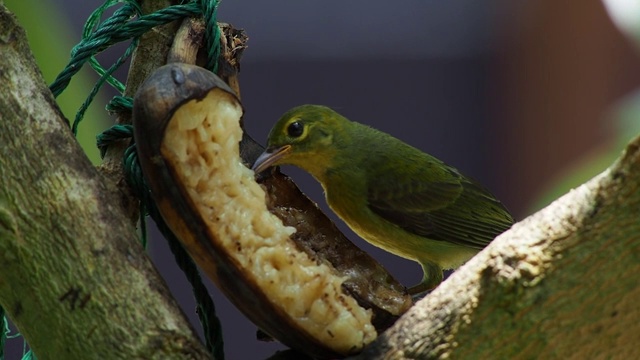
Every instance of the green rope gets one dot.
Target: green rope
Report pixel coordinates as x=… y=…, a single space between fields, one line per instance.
x=4 y=330
x=92 y=25
x=118 y=28
x=111 y=135
x=209 y=11
x=106 y=75
x=92 y=44
x=120 y=104
x=27 y=354
x=128 y=23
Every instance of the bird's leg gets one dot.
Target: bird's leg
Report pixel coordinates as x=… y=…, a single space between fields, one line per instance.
x=432 y=277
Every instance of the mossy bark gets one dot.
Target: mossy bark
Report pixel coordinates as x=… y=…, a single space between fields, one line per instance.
x=73 y=276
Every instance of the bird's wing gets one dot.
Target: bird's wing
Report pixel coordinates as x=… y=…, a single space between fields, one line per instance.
x=453 y=208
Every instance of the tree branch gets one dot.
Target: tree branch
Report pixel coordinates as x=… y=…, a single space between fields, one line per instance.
x=73 y=277
x=151 y=53
x=562 y=283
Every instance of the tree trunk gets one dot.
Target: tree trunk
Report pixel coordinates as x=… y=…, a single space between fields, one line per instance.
x=73 y=275
x=561 y=284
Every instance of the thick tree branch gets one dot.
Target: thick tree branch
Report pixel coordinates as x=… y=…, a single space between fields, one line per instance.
x=73 y=276
x=562 y=283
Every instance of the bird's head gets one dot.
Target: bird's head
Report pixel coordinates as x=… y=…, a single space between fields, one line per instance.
x=305 y=136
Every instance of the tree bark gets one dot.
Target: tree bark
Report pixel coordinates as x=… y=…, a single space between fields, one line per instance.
x=151 y=53
x=561 y=284
x=73 y=276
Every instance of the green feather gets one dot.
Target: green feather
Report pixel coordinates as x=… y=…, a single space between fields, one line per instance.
x=390 y=193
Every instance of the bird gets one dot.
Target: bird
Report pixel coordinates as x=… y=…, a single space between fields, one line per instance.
x=388 y=192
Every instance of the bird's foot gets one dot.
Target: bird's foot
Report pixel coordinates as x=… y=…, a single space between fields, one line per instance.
x=420 y=289
x=432 y=278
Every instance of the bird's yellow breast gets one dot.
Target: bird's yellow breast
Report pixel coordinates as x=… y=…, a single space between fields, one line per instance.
x=353 y=210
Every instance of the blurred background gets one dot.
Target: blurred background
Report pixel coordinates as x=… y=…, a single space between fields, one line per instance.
x=530 y=98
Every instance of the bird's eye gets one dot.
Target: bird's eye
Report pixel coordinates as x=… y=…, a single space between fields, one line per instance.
x=295 y=129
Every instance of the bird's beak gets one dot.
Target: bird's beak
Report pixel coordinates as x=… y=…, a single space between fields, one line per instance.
x=269 y=157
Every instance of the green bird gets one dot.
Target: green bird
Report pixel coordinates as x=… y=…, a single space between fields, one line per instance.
x=391 y=194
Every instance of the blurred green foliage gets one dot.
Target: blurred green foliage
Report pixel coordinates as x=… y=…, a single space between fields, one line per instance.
x=51 y=38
